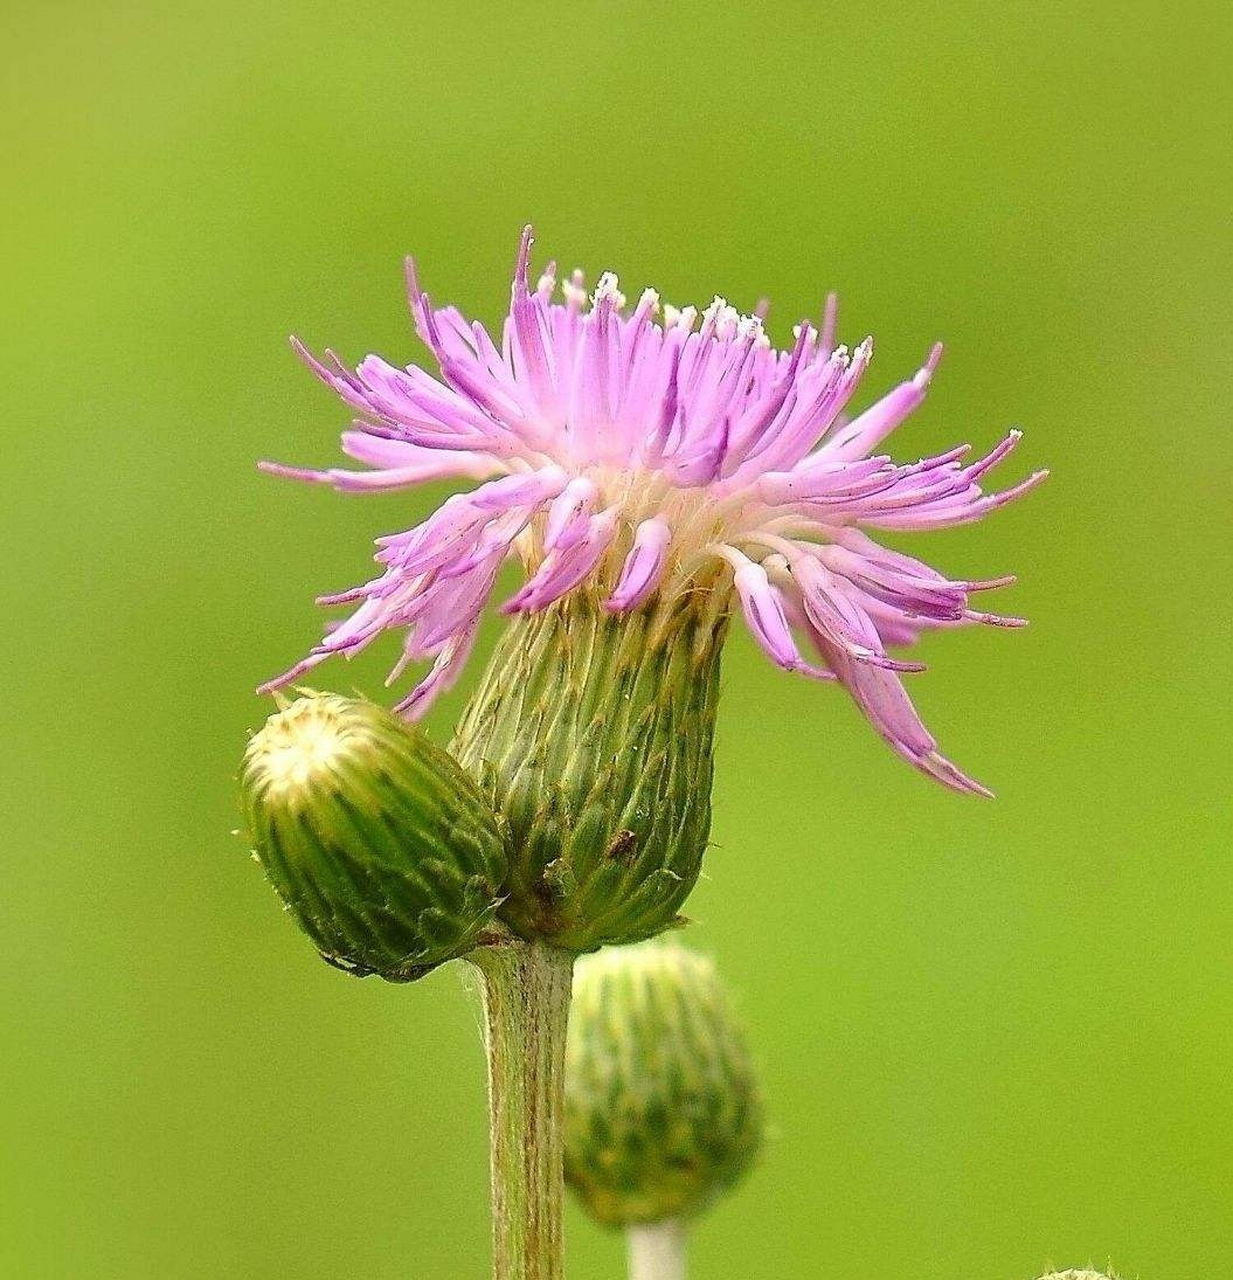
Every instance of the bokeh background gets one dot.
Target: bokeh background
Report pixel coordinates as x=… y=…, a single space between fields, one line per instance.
x=994 y=1035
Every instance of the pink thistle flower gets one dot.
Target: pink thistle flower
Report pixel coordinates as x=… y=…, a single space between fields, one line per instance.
x=641 y=452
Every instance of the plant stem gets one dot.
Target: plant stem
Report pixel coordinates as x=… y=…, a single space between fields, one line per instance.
x=526 y=1012
x=657 y=1250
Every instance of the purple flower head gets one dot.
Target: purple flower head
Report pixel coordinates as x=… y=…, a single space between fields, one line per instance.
x=639 y=452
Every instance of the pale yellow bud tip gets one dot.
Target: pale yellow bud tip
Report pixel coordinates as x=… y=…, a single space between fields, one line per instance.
x=299 y=744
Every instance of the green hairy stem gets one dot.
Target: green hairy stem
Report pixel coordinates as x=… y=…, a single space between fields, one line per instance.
x=526 y=991
x=592 y=737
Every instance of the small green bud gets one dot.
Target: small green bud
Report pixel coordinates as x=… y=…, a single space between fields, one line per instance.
x=377 y=842
x=662 y=1112
x=592 y=735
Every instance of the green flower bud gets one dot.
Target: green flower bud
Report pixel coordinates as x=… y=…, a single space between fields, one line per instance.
x=377 y=842
x=662 y=1112
x=592 y=735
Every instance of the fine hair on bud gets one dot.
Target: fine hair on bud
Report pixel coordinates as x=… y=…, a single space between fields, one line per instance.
x=662 y=1111
x=381 y=848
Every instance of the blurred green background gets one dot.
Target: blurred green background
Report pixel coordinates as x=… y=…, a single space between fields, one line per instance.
x=993 y=1035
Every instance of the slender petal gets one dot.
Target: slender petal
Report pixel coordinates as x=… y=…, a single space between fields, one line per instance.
x=643 y=566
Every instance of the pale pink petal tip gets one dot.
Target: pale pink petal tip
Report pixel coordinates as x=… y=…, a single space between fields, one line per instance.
x=830 y=320
x=411 y=272
x=292 y=473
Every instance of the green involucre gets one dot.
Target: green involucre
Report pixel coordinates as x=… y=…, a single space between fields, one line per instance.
x=592 y=736
x=662 y=1112
x=381 y=848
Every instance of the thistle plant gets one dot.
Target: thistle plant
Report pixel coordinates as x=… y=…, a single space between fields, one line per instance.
x=662 y=1111
x=656 y=472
